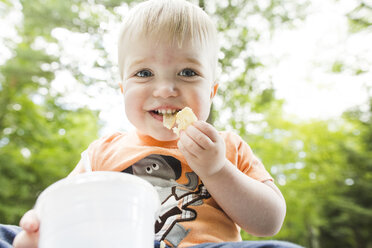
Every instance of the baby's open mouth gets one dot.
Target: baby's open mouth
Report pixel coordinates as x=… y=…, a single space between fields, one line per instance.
x=168 y=115
x=166 y=111
x=179 y=120
x=176 y=119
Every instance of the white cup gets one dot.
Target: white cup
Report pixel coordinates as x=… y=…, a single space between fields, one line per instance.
x=98 y=210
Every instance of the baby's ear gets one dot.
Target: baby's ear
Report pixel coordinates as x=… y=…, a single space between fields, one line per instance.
x=214 y=89
x=121 y=87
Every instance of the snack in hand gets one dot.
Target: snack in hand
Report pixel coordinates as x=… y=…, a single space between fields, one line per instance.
x=183 y=119
x=169 y=120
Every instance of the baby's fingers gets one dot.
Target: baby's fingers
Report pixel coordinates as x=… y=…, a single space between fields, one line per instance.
x=188 y=146
x=207 y=129
x=30 y=222
x=26 y=240
x=200 y=138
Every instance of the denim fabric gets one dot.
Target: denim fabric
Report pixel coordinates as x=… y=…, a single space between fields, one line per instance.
x=244 y=244
x=7 y=234
x=250 y=244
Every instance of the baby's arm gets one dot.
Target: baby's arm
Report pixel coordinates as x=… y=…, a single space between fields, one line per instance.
x=29 y=236
x=259 y=208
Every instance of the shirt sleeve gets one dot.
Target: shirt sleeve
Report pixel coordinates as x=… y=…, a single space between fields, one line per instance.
x=85 y=163
x=245 y=160
x=96 y=155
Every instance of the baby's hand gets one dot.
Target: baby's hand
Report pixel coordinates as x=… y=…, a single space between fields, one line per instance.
x=203 y=148
x=29 y=236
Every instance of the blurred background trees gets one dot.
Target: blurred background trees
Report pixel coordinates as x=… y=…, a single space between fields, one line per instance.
x=57 y=68
x=40 y=136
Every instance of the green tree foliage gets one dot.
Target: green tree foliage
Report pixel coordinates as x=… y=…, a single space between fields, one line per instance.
x=41 y=138
x=324 y=170
x=312 y=162
x=322 y=167
x=361 y=17
x=349 y=208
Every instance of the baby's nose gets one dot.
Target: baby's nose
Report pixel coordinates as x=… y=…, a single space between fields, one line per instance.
x=165 y=89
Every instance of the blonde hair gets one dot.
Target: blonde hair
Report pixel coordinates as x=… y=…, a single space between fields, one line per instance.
x=171 y=21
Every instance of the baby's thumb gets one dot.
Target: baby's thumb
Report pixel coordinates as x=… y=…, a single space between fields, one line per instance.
x=26 y=240
x=30 y=222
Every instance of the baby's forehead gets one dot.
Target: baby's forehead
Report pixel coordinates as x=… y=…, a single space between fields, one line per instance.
x=169 y=19
x=172 y=40
x=143 y=43
x=166 y=21
x=165 y=52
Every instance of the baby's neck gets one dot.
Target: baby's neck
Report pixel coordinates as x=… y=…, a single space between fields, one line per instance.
x=150 y=141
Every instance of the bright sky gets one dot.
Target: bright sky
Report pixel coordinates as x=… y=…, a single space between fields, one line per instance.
x=299 y=61
x=303 y=74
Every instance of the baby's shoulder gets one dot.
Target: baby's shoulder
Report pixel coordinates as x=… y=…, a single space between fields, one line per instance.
x=235 y=143
x=109 y=139
x=113 y=136
x=231 y=137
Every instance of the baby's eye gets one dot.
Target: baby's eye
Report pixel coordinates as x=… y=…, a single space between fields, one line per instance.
x=187 y=73
x=144 y=73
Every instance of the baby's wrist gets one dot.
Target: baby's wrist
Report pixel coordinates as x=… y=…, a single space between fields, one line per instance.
x=216 y=171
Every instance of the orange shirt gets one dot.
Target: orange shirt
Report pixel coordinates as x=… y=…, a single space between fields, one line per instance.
x=189 y=215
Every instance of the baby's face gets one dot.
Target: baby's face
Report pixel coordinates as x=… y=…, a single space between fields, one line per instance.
x=160 y=78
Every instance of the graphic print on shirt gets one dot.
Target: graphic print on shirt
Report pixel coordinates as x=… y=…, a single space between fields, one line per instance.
x=163 y=172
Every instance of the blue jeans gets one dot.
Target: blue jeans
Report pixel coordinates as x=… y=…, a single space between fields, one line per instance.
x=8 y=232
x=245 y=244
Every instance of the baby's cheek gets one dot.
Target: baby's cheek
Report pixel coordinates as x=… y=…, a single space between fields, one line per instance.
x=133 y=103
x=202 y=109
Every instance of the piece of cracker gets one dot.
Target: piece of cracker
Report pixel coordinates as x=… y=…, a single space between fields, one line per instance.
x=169 y=120
x=184 y=118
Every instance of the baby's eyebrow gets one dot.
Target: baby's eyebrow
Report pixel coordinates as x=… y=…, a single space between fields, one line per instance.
x=193 y=61
x=137 y=62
